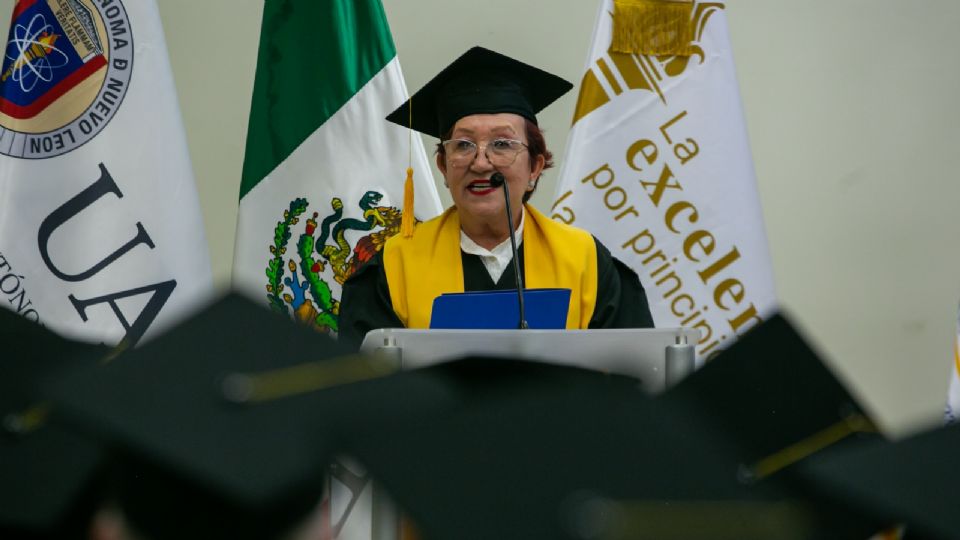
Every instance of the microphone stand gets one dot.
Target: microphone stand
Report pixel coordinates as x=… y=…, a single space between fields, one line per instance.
x=497 y=179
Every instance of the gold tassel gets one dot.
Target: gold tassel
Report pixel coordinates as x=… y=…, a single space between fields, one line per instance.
x=32 y=419
x=653 y=27
x=407 y=219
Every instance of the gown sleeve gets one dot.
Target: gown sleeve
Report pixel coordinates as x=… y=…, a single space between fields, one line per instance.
x=621 y=300
x=365 y=303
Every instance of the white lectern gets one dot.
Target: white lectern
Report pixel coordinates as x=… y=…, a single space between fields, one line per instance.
x=658 y=357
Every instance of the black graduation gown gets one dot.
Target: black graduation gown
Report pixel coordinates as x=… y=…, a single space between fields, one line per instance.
x=365 y=303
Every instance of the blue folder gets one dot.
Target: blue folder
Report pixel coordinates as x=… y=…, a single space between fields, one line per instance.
x=498 y=310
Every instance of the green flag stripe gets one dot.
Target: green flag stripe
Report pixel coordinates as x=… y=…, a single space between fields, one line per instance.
x=314 y=56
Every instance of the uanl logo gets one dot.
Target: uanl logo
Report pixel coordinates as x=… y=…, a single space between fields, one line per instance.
x=623 y=71
x=322 y=252
x=66 y=69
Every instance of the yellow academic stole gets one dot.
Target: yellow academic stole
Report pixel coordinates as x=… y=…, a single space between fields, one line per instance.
x=428 y=264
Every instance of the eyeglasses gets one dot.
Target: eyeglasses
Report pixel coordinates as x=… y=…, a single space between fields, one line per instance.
x=499 y=152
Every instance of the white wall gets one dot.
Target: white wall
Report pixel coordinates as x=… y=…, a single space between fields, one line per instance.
x=854 y=129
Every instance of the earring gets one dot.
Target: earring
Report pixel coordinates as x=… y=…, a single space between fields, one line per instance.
x=532 y=184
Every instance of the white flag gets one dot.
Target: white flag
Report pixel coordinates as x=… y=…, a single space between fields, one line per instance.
x=658 y=167
x=953 y=396
x=100 y=230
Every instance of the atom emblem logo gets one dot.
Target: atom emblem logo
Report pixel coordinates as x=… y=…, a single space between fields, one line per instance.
x=35 y=56
x=66 y=69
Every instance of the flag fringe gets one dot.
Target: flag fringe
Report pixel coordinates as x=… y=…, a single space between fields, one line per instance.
x=653 y=27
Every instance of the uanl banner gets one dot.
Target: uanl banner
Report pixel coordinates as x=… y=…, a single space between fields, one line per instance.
x=658 y=167
x=101 y=236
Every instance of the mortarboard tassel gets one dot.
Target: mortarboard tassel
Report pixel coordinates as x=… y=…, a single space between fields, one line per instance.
x=407 y=218
x=653 y=27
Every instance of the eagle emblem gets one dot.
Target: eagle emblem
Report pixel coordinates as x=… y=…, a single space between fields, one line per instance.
x=323 y=253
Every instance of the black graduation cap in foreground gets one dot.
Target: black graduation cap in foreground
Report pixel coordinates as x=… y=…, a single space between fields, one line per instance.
x=480 y=81
x=914 y=482
x=48 y=471
x=595 y=458
x=228 y=422
x=772 y=392
x=203 y=450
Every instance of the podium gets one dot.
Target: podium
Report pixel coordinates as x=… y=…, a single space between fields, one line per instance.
x=658 y=357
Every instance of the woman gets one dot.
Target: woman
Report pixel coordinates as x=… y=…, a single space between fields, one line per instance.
x=483 y=109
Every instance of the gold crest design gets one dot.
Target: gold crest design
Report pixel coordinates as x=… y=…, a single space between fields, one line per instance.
x=625 y=71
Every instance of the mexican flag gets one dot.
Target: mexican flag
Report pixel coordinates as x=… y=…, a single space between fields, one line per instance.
x=323 y=178
x=101 y=236
x=658 y=167
x=323 y=174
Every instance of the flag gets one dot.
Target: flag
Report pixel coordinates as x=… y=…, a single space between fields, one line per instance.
x=658 y=167
x=101 y=236
x=323 y=175
x=953 y=394
x=323 y=178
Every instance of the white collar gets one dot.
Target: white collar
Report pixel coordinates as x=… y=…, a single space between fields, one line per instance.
x=497 y=259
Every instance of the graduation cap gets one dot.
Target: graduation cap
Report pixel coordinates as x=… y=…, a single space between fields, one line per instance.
x=912 y=482
x=593 y=457
x=480 y=81
x=50 y=473
x=228 y=422
x=207 y=448
x=774 y=393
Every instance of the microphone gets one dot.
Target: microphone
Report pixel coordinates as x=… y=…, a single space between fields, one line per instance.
x=496 y=180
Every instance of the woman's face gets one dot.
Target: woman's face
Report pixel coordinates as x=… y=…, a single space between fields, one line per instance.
x=469 y=183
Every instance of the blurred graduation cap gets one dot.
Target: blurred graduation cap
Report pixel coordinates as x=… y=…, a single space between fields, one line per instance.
x=49 y=487
x=228 y=422
x=594 y=458
x=913 y=482
x=480 y=81
x=772 y=392
x=204 y=452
